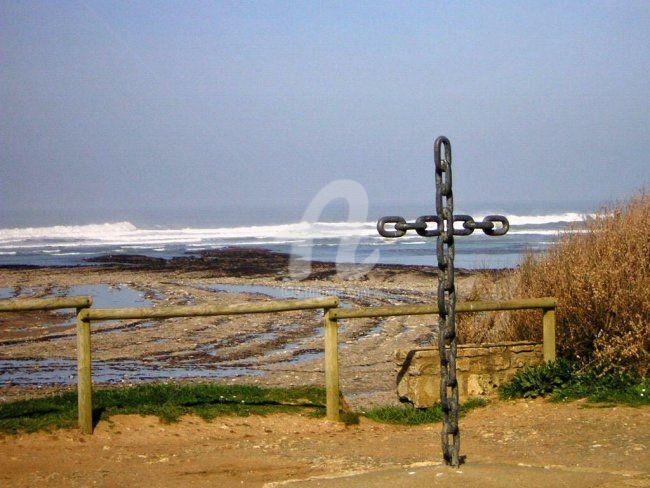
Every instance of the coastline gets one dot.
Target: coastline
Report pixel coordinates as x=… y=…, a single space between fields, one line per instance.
x=268 y=350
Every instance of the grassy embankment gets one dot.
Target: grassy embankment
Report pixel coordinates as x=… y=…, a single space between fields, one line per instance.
x=168 y=401
x=171 y=401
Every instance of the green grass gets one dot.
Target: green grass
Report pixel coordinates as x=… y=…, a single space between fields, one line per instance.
x=168 y=401
x=560 y=381
x=538 y=381
x=613 y=389
x=563 y=381
x=409 y=415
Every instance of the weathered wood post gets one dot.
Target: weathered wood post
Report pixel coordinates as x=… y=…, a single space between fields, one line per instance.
x=548 y=321
x=84 y=381
x=331 y=365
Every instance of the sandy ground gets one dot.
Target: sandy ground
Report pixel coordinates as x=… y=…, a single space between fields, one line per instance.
x=522 y=443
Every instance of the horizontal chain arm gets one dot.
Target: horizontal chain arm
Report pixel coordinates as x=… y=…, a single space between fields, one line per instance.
x=421 y=226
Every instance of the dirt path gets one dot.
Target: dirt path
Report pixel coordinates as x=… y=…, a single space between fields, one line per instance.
x=524 y=442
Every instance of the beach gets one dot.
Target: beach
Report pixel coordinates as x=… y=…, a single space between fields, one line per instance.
x=38 y=349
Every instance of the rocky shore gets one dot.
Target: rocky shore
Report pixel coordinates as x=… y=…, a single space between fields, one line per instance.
x=38 y=349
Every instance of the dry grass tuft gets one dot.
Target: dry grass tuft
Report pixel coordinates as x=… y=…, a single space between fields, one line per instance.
x=601 y=278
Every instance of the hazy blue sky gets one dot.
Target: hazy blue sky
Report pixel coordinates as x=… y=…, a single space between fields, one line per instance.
x=183 y=104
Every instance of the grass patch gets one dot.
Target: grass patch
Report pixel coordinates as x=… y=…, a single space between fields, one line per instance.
x=168 y=401
x=532 y=382
x=562 y=381
x=409 y=415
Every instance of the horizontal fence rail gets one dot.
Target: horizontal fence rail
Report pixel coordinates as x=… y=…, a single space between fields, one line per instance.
x=30 y=304
x=331 y=315
x=207 y=310
x=461 y=307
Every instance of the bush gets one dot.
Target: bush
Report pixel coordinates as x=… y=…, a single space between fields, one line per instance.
x=600 y=275
x=562 y=380
x=601 y=278
x=532 y=382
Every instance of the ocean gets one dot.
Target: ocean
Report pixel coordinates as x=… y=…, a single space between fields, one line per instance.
x=49 y=238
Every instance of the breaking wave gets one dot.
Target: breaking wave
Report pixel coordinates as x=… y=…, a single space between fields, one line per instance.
x=127 y=234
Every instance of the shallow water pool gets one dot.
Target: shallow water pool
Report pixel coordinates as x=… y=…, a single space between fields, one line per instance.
x=32 y=372
x=279 y=292
x=106 y=296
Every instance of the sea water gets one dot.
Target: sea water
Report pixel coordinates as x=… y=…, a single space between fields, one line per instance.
x=72 y=238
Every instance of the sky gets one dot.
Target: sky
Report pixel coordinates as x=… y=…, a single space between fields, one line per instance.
x=232 y=104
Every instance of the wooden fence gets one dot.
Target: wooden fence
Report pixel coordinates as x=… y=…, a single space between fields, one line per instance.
x=332 y=314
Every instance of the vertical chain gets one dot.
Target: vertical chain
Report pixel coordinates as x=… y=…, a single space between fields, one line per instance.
x=446 y=302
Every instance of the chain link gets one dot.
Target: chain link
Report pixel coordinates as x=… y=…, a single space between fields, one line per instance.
x=444 y=231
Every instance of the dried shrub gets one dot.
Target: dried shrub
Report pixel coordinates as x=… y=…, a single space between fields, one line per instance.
x=600 y=275
x=489 y=327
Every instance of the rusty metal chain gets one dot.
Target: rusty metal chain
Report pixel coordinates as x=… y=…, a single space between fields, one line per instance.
x=446 y=303
x=444 y=231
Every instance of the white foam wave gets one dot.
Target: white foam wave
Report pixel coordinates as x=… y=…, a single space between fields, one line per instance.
x=66 y=231
x=546 y=219
x=127 y=235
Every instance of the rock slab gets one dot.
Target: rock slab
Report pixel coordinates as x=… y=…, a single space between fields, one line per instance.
x=481 y=368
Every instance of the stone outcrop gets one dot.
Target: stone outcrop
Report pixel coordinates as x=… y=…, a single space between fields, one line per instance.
x=481 y=369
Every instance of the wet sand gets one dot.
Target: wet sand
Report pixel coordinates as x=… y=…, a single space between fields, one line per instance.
x=38 y=349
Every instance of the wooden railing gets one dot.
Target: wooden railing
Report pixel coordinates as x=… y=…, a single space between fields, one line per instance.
x=30 y=304
x=332 y=314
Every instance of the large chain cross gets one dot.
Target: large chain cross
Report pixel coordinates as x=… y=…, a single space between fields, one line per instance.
x=444 y=231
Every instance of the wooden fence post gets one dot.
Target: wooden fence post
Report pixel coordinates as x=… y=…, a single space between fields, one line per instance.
x=331 y=366
x=84 y=381
x=549 y=334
